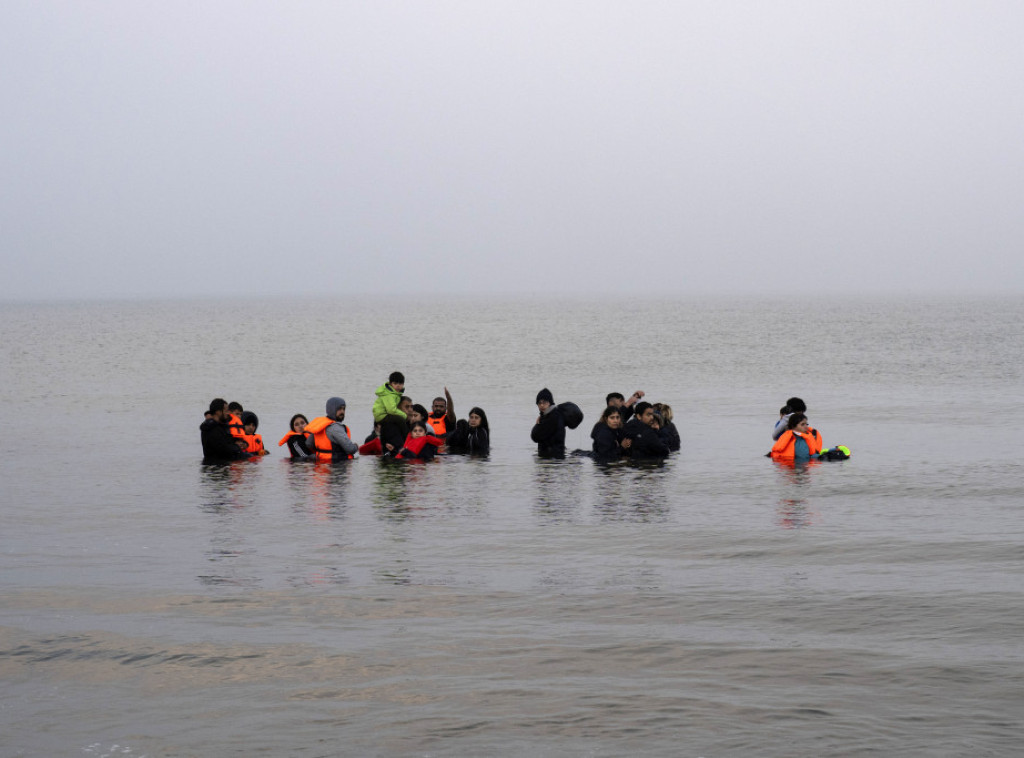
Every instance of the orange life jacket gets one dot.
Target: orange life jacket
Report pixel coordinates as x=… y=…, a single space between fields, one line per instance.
x=440 y=425
x=285 y=439
x=322 y=445
x=255 y=444
x=235 y=426
x=784 y=448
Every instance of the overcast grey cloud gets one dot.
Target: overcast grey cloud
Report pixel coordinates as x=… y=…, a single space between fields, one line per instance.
x=159 y=149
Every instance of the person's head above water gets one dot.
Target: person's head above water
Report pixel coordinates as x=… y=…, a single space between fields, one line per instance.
x=477 y=418
x=418 y=429
x=612 y=417
x=250 y=421
x=397 y=381
x=298 y=422
x=336 y=409
x=219 y=409
x=645 y=412
x=545 y=399
x=796 y=405
x=795 y=420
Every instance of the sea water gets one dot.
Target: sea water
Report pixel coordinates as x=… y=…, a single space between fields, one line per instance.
x=717 y=604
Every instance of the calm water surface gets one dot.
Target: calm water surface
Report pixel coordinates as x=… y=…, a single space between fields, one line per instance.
x=715 y=605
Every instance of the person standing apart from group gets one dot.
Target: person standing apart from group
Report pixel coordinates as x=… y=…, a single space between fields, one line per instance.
x=798 y=443
x=549 y=430
x=793 y=405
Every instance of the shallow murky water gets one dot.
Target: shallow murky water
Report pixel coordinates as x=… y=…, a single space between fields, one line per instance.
x=715 y=605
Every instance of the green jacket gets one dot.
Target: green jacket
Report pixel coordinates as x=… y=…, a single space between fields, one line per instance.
x=386 y=403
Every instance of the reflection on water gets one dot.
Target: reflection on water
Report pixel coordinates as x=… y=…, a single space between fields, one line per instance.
x=795 y=514
x=320 y=490
x=390 y=495
x=794 y=511
x=558 y=494
x=632 y=492
x=226 y=496
x=220 y=486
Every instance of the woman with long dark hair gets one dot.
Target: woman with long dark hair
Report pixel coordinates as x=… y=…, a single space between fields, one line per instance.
x=296 y=439
x=472 y=436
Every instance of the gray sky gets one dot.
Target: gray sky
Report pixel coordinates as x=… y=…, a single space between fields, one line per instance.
x=191 y=148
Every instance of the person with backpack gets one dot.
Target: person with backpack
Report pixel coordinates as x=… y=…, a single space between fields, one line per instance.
x=549 y=430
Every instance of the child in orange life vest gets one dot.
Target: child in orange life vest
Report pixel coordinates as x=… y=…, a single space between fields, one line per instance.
x=254 y=442
x=235 y=425
x=419 y=445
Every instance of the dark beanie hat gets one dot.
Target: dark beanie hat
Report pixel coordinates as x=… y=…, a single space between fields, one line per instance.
x=248 y=417
x=545 y=394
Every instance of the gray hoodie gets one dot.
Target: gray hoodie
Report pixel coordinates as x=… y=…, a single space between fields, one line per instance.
x=336 y=431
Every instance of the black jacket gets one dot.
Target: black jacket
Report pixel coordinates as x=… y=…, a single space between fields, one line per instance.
x=465 y=439
x=647 y=442
x=606 y=442
x=298 y=448
x=218 y=444
x=670 y=435
x=549 y=434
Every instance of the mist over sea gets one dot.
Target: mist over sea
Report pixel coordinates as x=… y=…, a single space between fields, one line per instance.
x=716 y=605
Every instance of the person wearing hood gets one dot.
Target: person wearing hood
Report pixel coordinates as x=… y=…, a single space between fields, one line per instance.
x=332 y=440
x=253 y=441
x=549 y=430
x=219 y=445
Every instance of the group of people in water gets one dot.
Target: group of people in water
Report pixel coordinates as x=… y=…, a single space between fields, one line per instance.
x=628 y=428
x=402 y=430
